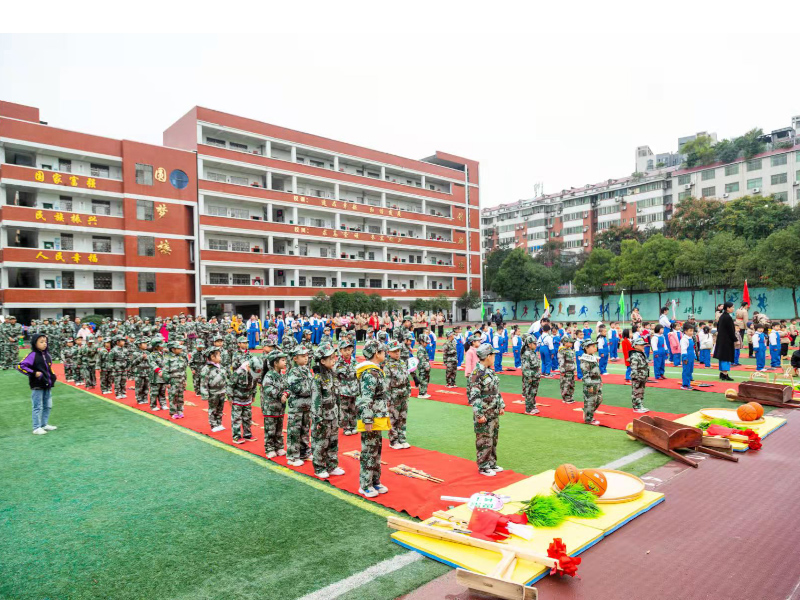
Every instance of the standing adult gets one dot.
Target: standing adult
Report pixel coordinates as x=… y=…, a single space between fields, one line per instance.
x=742 y=317
x=636 y=318
x=718 y=313
x=440 y=324
x=664 y=320
x=497 y=317
x=253 y=332
x=726 y=341
x=76 y=325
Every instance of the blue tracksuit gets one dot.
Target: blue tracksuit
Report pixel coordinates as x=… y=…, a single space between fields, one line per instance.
x=587 y=333
x=660 y=357
x=517 y=349
x=281 y=329
x=774 y=349
x=431 y=346
x=545 y=353
x=760 y=350
x=459 y=349
x=613 y=344
x=687 y=359
x=578 y=354
x=602 y=353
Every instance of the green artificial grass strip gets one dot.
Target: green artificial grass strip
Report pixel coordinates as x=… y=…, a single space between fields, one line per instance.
x=400 y=582
x=578 y=502
x=544 y=511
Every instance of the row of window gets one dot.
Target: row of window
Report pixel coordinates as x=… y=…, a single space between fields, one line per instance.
x=105 y=281
x=643 y=219
x=751 y=165
x=65 y=166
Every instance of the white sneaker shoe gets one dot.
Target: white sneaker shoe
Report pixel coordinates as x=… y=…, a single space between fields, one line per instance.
x=218 y=428
x=486 y=472
x=396 y=446
x=49 y=427
x=497 y=469
x=381 y=489
x=39 y=431
x=296 y=463
x=338 y=471
x=281 y=452
x=323 y=475
x=406 y=445
x=271 y=454
x=424 y=396
x=368 y=493
x=641 y=410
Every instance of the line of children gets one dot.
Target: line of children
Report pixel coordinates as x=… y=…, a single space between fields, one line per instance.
x=531 y=374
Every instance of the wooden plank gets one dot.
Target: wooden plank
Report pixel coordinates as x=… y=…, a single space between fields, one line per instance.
x=496 y=587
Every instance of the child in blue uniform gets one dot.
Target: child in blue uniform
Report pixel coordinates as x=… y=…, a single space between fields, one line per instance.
x=659 y=346
x=459 y=345
x=516 y=347
x=760 y=348
x=546 y=350
x=613 y=342
x=775 y=346
x=687 y=356
x=587 y=331
x=602 y=349
x=578 y=347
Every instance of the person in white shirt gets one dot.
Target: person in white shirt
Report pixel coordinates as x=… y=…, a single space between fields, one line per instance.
x=537 y=325
x=664 y=319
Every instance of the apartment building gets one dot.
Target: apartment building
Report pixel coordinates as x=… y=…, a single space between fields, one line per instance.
x=284 y=214
x=92 y=225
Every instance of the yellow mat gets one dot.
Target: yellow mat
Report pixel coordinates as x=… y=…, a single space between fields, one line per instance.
x=770 y=425
x=577 y=534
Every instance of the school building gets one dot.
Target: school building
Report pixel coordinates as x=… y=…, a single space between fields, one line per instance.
x=231 y=214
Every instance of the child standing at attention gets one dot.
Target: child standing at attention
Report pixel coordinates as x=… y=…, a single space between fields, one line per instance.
x=273 y=402
x=471 y=358
x=38 y=366
x=516 y=346
x=577 y=347
x=592 y=382
x=213 y=386
x=775 y=346
x=546 y=349
x=640 y=371
x=371 y=405
x=602 y=349
x=325 y=415
x=347 y=388
x=674 y=340
x=613 y=342
x=487 y=407
x=687 y=355
x=531 y=374
x=760 y=347
x=423 y=368
x=627 y=346
x=450 y=359
x=298 y=428
x=566 y=363
x=706 y=343
x=659 y=346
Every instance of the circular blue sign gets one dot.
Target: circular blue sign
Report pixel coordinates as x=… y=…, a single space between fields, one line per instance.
x=178 y=179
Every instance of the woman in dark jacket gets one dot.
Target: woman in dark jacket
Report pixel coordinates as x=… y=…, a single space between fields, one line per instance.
x=38 y=366
x=726 y=342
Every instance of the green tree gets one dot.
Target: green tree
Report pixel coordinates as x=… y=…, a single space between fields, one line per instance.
x=611 y=238
x=727 y=151
x=420 y=305
x=691 y=263
x=628 y=269
x=699 y=152
x=778 y=259
x=754 y=217
x=391 y=305
x=340 y=303
x=596 y=272
x=659 y=254
x=376 y=303
x=550 y=253
x=695 y=219
x=439 y=303
x=359 y=302
x=469 y=300
x=492 y=264
x=521 y=278
x=751 y=143
x=320 y=304
x=723 y=253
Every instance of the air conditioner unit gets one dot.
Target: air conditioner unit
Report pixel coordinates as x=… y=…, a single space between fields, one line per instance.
x=725 y=195
x=638 y=210
x=585 y=244
x=688 y=186
x=556 y=234
x=549 y=226
x=796 y=183
x=585 y=229
x=756 y=190
x=585 y=214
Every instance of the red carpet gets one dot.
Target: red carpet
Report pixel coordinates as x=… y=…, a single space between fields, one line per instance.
x=416 y=497
x=550 y=408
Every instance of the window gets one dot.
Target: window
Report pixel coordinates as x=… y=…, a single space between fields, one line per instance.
x=373 y=174
x=239 y=180
x=684 y=179
x=778 y=178
x=217 y=176
x=316 y=163
x=571 y=230
x=607 y=210
x=144 y=174
x=101 y=244
x=65 y=165
x=375 y=283
x=644 y=219
x=217 y=244
x=216 y=211
x=238 y=146
x=147 y=246
x=797 y=176
x=648 y=202
x=67 y=241
x=98 y=170
x=67 y=280
x=781 y=196
x=732 y=170
x=323 y=253
x=218 y=278
x=144 y=210
x=731 y=187
x=709 y=191
x=754 y=165
x=318 y=282
x=215 y=142
x=65 y=203
x=684 y=195
x=147 y=282
x=779 y=160
x=101 y=207
x=240 y=246
x=241 y=279
x=798 y=193
x=240 y=213
x=754 y=183
x=302 y=282
x=710 y=174
x=102 y=281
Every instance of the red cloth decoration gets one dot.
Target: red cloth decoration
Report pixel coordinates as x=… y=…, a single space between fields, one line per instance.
x=746 y=293
x=754 y=440
x=567 y=565
x=490 y=525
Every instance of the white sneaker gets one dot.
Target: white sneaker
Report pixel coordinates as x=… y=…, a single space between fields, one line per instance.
x=381 y=489
x=406 y=445
x=424 y=396
x=641 y=410
x=323 y=475
x=218 y=428
x=534 y=411
x=396 y=446
x=486 y=472
x=281 y=452
x=49 y=427
x=155 y=408
x=296 y=463
x=338 y=471
x=39 y=431
x=271 y=454
x=497 y=469
x=368 y=493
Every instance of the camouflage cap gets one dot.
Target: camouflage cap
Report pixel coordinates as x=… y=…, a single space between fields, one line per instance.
x=394 y=345
x=275 y=355
x=449 y=332
x=90 y=338
x=255 y=362
x=566 y=340
x=422 y=338
x=325 y=350
x=299 y=350
x=200 y=344
x=587 y=343
x=408 y=335
x=142 y=340
x=345 y=343
x=13 y=318
x=476 y=337
x=531 y=339
x=639 y=341
x=484 y=350
x=382 y=337
x=407 y=318
x=173 y=345
x=156 y=341
x=207 y=353
x=372 y=347
x=241 y=339
x=69 y=339
x=217 y=338
x=117 y=338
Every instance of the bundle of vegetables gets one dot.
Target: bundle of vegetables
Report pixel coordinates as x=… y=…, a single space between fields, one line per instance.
x=579 y=502
x=725 y=428
x=551 y=510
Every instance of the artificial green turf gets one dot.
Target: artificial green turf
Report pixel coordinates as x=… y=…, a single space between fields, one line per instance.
x=115 y=505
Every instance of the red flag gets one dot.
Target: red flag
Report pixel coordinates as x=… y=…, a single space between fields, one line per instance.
x=746 y=293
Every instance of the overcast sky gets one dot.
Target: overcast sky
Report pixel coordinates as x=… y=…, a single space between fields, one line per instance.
x=556 y=95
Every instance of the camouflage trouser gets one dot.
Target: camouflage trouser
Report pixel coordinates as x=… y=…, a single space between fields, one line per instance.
x=637 y=392
x=450 y=373
x=592 y=399
x=371 y=445
x=10 y=353
x=78 y=373
x=486 y=441
x=568 y=386
x=398 y=414
x=273 y=433
x=530 y=387
x=347 y=413
x=191 y=344
x=69 y=372
x=216 y=404
x=158 y=394
x=106 y=382
x=142 y=386
x=89 y=376
x=424 y=378
x=176 y=391
x=325 y=443
x=241 y=419
x=297 y=432
x=120 y=381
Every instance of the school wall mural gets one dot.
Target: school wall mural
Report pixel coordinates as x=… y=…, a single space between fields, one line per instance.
x=776 y=303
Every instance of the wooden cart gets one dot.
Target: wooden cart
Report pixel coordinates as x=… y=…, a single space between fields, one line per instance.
x=668 y=437
x=768 y=394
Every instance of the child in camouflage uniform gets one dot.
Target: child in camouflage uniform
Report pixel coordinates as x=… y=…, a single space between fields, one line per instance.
x=119 y=363
x=242 y=385
x=424 y=367
x=140 y=368
x=640 y=372
x=325 y=415
x=371 y=405
x=174 y=374
x=288 y=342
x=213 y=385
x=89 y=362
x=487 y=406
x=531 y=374
x=104 y=364
x=273 y=403
x=299 y=380
x=347 y=388
x=450 y=359
x=225 y=357
x=398 y=389
x=158 y=387
x=197 y=361
x=241 y=353
x=567 y=366
x=79 y=344
x=68 y=358
x=592 y=382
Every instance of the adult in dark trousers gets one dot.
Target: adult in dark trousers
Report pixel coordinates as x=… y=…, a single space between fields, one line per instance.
x=726 y=340
x=497 y=317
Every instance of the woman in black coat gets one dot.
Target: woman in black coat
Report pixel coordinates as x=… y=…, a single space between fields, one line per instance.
x=726 y=342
